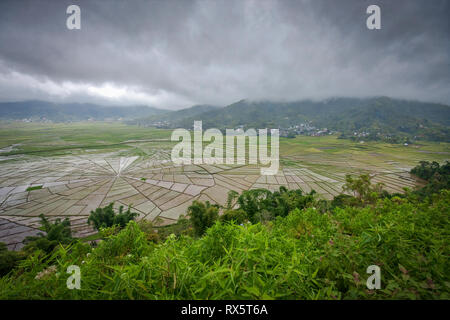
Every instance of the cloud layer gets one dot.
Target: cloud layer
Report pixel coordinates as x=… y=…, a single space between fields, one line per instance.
x=173 y=54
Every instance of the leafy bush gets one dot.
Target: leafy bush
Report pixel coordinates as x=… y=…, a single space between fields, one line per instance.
x=239 y=216
x=150 y=232
x=425 y=170
x=183 y=226
x=33 y=188
x=203 y=215
x=109 y=231
x=304 y=255
x=130 y=241
x=8 y=259
x=363 y=190
x=262 y=205
x=438 y=177
x=106 y=217
x=343 y=200
x=56 y=233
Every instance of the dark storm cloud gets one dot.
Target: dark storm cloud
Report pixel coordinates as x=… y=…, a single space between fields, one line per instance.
x=176 y=53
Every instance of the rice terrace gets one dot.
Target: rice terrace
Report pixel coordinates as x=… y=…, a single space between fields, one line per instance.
x=76 y=173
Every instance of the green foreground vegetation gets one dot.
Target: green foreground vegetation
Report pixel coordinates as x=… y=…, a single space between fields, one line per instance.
x=265 y=245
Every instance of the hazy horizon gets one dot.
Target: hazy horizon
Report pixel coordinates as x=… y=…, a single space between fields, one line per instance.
x=100 y=104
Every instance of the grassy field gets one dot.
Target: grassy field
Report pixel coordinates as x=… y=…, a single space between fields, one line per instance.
x=59 y=139
x=332 y=146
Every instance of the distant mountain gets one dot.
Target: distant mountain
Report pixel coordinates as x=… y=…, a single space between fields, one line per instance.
x=174 y=118
x=372 y=118
x=40 y=110
x=379 y=117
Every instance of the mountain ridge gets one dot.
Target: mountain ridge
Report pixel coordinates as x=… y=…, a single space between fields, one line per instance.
x=59 y=112
x=376 y=116
x=372 y=118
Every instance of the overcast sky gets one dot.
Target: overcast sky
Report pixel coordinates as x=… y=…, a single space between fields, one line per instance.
x=174 y=54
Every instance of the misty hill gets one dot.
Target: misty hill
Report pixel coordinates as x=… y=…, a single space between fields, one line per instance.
x=173 y=118
x=380 y=116
x=40 y=110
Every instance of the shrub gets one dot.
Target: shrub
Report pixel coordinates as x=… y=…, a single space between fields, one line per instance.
x=106 y=217
x=343 y=200
x=33 y=188
x=438 y=177
x=56 y=233
x=109 y=231
x=203 y=215
x=362 y=189
x=147 y=227
x=253 y=202
x=239 y=216
x=261 y=204
x=183 y=226
x=8 y=259
x=425 y=170
x=129 y=241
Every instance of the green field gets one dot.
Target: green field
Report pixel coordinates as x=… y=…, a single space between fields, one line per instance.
x=80 y=137
x=57 y=139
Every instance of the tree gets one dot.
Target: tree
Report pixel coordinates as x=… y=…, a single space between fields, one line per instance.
x=239 y=216
x=362 y=188
x=438 y=177
x=253 y=202
x=56 y=233
x=232 y=195
x=203 y=215
x=261 y=204
x=8 y=259
x=425 y=170
x=106 y=217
